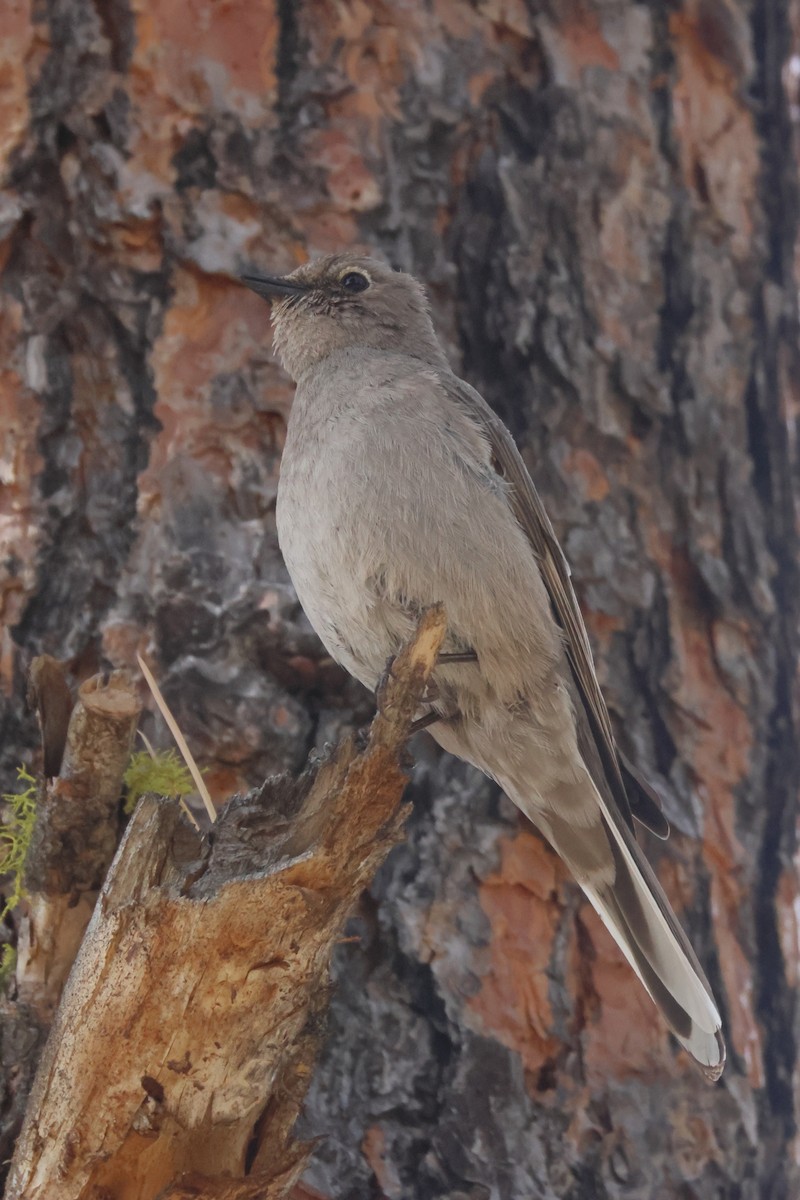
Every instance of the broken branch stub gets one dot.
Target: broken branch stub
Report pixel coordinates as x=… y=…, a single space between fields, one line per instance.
x=74 y=838
x=49 y=694
x=188 y=1029
x=77 y=822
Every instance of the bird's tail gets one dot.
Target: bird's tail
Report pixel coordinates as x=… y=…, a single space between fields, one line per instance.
x=632 y=905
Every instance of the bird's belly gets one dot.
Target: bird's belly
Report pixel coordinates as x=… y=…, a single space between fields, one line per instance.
x=371 y=539
x=516 y=738
x=333 y=570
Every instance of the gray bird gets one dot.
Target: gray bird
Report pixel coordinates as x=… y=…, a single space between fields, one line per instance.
x=399 y=488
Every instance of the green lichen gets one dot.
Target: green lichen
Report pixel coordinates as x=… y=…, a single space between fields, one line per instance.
x=16 y=832
x=8 y=963
x=165 y=774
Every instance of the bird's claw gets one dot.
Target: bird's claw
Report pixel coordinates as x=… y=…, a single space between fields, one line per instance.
x=385 y=679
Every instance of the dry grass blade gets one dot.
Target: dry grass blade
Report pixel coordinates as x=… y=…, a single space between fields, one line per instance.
x=180 y=740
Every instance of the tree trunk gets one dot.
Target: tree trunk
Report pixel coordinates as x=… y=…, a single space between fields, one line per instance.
x=601 y=198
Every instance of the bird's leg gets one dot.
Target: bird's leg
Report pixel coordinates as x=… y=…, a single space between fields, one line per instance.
x=421 y=723
x=465 y=656
x=431 y=691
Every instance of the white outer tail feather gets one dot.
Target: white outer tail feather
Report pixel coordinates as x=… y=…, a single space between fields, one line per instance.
x=703 y=1043
x=679 y=971
x=660 y=948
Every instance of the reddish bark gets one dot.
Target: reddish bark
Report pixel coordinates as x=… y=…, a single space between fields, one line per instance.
x=601 y=198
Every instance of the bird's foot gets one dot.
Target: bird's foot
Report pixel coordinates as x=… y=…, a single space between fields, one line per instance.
x=431 y=691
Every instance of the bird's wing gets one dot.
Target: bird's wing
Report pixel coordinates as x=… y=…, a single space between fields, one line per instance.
x=633 y=906
x=633 y=796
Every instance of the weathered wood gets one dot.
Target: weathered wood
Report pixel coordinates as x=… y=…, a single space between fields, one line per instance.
x=189 y=1025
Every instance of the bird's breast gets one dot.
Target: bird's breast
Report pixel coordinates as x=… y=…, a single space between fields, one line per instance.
x=384 y=508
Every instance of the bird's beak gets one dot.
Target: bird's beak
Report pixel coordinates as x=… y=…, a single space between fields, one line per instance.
x=272 y=286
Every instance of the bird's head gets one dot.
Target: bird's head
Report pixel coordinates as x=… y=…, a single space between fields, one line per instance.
x=345 y=301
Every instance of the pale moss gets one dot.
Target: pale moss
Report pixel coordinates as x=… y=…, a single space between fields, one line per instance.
x=165 y=774
x=16 y=832
x=8 y=963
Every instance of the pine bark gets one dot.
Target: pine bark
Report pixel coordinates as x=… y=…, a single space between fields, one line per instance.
x=601 y=197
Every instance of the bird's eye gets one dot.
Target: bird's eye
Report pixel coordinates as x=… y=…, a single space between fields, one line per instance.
x=354 y=281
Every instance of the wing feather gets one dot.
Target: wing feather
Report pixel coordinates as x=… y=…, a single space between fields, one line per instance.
x=638 y=798
x=634 y=906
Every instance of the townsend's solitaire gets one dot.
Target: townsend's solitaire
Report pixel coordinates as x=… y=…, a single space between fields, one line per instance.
x=399 y=488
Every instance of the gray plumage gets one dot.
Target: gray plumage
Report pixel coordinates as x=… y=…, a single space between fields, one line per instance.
x=400 y=487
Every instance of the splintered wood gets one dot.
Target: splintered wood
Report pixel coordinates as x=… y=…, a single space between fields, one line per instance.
x=183 y=1046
